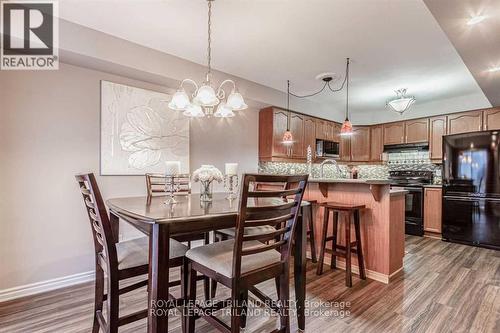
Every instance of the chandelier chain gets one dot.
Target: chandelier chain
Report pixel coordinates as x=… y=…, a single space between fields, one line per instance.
x=209 y=47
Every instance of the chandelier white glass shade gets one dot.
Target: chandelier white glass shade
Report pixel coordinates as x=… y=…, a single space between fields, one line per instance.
x=402 y=102
x=205 y=98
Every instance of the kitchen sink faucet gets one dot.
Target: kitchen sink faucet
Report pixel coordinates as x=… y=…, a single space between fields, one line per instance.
x=331 y=161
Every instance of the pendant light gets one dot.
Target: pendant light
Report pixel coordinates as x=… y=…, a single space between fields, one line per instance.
x=206 y=98
x=287 y=136
x=346 y=129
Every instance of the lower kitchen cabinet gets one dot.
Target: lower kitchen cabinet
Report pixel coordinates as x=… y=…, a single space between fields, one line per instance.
x=432 y=210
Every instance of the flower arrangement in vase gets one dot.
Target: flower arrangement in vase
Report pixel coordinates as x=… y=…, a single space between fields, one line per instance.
x=206 y=175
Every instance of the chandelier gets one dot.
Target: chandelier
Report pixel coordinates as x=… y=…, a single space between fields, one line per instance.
x=402 y=102
x=205 y=98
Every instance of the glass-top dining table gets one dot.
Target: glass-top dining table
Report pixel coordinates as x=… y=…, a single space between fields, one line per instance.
x=162 y=221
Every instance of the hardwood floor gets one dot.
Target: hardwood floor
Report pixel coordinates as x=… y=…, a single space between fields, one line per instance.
x=445 y=288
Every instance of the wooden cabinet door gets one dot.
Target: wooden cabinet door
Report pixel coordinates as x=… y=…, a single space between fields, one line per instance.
x=280 y=119
x=437 y=127
x=297 y=129
x=309 y=136
x=394 y=133
x=330 y=131
x=336 y=132
x=417 y=130
x=432 y=210
x=464 y=122
x=491 y=118
x=321 y=130
x=376 y=143
x=360 y=144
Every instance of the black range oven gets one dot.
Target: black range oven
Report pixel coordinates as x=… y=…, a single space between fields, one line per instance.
x=413 y=182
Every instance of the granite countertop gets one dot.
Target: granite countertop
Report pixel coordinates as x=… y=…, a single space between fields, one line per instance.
x=434 y=185
x=350 y=181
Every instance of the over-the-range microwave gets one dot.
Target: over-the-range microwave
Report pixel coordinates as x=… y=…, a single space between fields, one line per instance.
x=326 y=148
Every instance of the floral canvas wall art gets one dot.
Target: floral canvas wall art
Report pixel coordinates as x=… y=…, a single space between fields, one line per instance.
x=139 y=132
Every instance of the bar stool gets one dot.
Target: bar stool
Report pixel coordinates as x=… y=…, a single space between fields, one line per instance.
x=306 y=214
x=350 y=212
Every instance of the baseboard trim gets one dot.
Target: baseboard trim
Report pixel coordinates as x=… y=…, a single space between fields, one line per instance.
x=44 y=286
x=377 y=276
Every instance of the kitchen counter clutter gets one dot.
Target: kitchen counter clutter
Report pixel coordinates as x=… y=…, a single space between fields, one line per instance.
x=382 y=221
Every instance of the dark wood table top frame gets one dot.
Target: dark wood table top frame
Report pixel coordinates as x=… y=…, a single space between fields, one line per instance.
x=161 y=221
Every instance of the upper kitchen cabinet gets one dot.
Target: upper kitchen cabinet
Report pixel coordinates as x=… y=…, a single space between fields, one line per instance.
x=309 y=135
x=330 y=131
x=394 y=133
x=491 y=118
x=437 y=126
x=464 y=122
x=360 y=144
x=417 y=130
x=297 y=129
x=272 y=126
x=376 y=143
x=321 y=129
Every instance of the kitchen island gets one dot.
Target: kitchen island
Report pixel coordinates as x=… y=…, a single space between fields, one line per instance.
x=382 y=221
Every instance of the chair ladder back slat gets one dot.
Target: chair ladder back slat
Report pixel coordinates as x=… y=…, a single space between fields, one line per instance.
x=277 y=207
x=102 y=233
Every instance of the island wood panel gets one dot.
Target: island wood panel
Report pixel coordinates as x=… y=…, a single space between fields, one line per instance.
x=417 y=130
x=437 y=126
x=464 y=122
x=397 y=233
x=394 y=133
x=491 y=118
x=375 y=221
x=376 y=143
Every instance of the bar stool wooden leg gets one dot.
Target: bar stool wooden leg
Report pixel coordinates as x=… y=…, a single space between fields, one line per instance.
x=307 y=212
x=333 y=259
x=359 y=250
x=348 y=276
x=324 y=233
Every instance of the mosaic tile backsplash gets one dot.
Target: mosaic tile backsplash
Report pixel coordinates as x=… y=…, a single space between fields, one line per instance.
x=401 y=161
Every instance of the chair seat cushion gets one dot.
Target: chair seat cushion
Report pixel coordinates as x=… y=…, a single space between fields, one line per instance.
x=231 y=232
x=305 y=203
x=135 y=252
x=219 y=257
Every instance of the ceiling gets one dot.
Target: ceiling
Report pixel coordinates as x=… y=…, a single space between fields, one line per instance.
x=478 y=45
x=392 y=44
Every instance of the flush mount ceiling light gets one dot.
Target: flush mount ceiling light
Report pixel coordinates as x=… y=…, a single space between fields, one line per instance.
x=476 y=19
x=205 y=98
x=494 y=69
x=402 y=103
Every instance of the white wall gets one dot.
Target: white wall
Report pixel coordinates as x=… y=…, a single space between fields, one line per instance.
x=49 y=131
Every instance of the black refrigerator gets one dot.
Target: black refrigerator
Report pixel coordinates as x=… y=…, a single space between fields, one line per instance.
x=471 y=189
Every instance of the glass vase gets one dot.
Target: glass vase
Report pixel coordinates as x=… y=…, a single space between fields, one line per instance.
x=206 y=191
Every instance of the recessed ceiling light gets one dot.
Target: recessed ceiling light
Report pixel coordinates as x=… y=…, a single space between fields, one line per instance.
x=494 y=69
x=476 y=19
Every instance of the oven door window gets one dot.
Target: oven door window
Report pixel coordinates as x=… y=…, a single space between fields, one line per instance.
x=413 y=204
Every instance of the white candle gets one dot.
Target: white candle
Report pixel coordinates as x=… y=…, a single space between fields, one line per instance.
x=173 y=168
x=231 y=169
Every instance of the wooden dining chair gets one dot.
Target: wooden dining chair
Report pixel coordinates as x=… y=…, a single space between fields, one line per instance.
x=245 y=261
x=116 y=261
x=155 y=186
x=305 y=214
